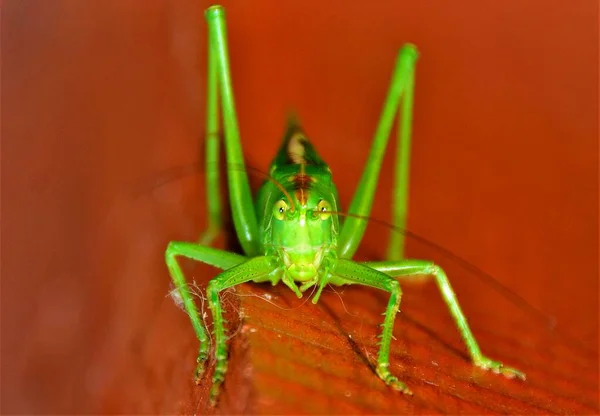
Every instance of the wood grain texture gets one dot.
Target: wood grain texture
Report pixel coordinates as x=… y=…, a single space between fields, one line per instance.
x=103 y=102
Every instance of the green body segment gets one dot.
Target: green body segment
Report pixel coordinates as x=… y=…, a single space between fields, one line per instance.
x=292 y=233
x=295 y=221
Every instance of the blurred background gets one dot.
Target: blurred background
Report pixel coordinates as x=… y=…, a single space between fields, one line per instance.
x=102 y=102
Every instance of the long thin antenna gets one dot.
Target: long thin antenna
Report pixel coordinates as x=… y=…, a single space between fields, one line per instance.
x=483 y=276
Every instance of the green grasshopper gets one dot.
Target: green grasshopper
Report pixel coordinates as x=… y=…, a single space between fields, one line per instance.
x=293 y=233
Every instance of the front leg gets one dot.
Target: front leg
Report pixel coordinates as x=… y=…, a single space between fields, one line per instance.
x=255 y=269
x=217 y=258
x=409 y=268
x=348 y=272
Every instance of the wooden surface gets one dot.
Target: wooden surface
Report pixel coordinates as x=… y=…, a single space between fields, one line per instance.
x=101 y=101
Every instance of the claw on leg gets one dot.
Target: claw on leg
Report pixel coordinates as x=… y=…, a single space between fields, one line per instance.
x=214 y=393
x=218 y=377
x=198 y=373
x=498 y=368
x=384 y=373
x=200 y=368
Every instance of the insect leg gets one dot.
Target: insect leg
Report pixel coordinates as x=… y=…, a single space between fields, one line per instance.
x=408 y=268
x=217 y=258
x=256 y=268
x=401 y=87
x=395 y=249
x=348 y=272
x=240 y=197
x=213 y=180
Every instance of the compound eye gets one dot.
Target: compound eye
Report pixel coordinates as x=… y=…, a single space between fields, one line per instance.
x=323 y=209
x=280 y=209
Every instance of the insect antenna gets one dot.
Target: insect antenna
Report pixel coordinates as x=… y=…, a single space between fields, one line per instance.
x=332 y=289
x=279 y=186
x=163 y=177
x=176 y=173
x=481 y=275
x=269 y=301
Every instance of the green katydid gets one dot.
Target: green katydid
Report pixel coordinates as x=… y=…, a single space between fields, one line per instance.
x=292 y=233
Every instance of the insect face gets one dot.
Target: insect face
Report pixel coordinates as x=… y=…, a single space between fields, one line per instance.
x=303 y=232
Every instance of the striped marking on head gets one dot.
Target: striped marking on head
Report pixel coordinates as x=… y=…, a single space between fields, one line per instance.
x=302 y=183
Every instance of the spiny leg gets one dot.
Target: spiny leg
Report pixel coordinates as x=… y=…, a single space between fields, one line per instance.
x=406 y=268
x=348 y=272
x=243 y=212
x=217 y=258
x=401 y=87
x=256 y=269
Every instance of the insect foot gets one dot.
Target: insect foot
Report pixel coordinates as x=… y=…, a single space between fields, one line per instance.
x=200 y=367
x=218 y=378
x=498 y=368
x=384 y=373
x=199 y=372
x=214 y=393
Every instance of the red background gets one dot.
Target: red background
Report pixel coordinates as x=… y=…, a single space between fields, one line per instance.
x=101 y=99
